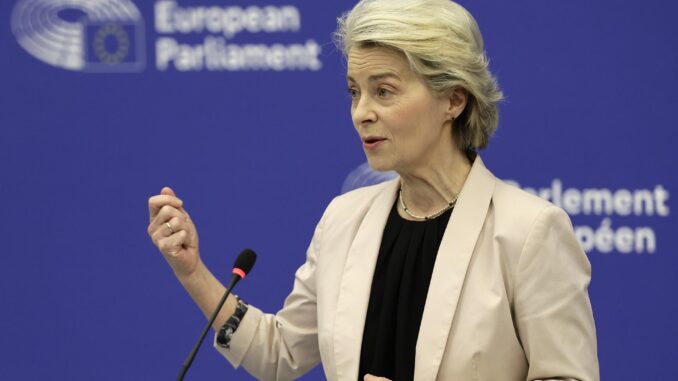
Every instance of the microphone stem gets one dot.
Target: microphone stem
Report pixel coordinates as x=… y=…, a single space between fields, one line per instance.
x=191 y=356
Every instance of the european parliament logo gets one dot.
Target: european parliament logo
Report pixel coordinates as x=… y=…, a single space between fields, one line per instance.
x=105 y=36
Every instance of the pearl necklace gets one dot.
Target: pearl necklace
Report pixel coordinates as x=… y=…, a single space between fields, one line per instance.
x=430 y=216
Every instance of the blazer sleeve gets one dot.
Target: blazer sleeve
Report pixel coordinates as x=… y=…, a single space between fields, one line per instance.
x=551 y=302
x=283 y=346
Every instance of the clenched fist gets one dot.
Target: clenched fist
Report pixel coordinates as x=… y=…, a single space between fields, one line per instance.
x=173 y=232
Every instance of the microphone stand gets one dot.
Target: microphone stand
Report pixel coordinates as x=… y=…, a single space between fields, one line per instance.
x=191 y=356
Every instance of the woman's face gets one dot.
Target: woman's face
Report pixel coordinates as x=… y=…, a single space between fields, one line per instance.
x=402 y=124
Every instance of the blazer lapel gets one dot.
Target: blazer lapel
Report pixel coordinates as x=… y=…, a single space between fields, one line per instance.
x=449 y=271
x=356 y=283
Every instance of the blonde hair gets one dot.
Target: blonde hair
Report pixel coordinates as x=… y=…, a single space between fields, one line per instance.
x=443 y=45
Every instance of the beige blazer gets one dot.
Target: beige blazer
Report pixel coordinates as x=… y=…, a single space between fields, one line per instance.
x=508 y=298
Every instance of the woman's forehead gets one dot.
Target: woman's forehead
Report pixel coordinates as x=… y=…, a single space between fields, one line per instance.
x=365 y=62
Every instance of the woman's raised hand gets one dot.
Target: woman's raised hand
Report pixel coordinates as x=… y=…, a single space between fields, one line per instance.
x=173 y=232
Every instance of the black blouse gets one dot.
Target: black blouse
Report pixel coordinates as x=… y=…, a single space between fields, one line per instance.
x=399 y=287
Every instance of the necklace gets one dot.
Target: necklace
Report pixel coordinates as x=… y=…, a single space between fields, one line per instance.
x=430 y=216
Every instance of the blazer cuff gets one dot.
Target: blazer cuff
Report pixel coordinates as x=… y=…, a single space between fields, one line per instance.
x=242 y=338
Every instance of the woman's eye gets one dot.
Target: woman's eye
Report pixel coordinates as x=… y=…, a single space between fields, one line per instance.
x=353 y=92
x=384 y=93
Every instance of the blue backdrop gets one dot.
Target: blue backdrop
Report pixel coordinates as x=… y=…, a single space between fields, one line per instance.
x=241 y=107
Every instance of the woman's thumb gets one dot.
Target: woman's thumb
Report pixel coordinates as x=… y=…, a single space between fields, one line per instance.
x=167 y=191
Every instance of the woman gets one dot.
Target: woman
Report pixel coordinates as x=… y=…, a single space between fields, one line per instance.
x=445 y=273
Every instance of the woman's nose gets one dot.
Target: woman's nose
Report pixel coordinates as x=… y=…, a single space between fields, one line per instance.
x=363 y=112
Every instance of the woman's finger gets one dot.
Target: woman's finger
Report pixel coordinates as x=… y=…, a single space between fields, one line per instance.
x=192 y=239
x=166 y=223
x=155 y=204
x=165 y=214
x=167 y=229
x=173 y=244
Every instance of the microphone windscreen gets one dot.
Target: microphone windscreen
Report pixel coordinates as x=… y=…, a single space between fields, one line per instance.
x=245 y=261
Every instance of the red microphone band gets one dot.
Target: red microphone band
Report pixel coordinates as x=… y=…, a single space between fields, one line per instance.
x=239 y=272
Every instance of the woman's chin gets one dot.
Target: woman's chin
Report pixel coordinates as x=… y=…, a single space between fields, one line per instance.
x=379 y=165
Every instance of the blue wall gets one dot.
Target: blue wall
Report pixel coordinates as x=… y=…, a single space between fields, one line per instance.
x=87 y=135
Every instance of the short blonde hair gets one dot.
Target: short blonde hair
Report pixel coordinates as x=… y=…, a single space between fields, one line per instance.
x=443 y=45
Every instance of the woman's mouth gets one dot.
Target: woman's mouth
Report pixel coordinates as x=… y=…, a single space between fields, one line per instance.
x=372 y=142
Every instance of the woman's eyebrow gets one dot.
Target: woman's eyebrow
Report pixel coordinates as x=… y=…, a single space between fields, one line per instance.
x=378 y=76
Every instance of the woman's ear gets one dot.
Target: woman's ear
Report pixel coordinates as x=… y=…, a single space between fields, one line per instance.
x=457 y=97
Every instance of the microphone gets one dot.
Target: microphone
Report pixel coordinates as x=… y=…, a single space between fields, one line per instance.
x=242 y=266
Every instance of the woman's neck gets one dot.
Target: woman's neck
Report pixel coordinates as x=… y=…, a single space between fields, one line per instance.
x=429 y=188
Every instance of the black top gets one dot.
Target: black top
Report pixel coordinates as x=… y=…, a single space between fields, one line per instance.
x=399 y=287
